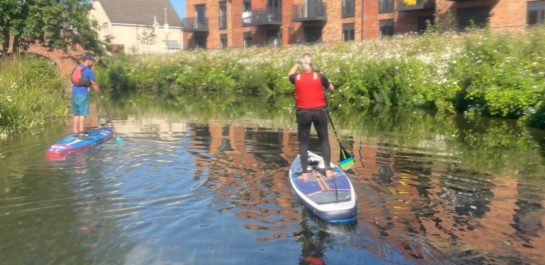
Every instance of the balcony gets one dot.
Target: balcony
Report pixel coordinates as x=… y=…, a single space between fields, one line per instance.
x=193 y=24
x=313 y=10
x=419 y=5
x=262 y=17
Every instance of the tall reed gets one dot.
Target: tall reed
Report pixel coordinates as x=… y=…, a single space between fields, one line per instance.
x=478 y=73
x=31 y=94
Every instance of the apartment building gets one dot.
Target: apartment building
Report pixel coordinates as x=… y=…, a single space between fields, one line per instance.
x=243 y=23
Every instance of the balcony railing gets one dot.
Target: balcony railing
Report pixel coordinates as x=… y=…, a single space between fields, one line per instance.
x=420 y=5
x=262 y=17
x=195 y=24
x=313 y=10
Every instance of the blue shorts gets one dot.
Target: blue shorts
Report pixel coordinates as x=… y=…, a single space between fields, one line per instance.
x=80 y=105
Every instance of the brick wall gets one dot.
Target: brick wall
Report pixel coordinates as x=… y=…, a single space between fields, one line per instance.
x=333 y=28
x=504 y=14
x=508 y=14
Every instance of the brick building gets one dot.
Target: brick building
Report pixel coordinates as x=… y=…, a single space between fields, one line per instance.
x=243 y=23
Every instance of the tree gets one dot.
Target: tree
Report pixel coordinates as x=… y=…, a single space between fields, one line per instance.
x=50 y=23
x=147 y=37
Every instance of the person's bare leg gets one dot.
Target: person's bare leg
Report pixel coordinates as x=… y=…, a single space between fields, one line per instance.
x=329 y=173
x=303 y=176
x=75 y=126
x=81 y=124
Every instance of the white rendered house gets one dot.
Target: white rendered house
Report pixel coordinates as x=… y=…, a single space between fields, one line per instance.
x=138 y=26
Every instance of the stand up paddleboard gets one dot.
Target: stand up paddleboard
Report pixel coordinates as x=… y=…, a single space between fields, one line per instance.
x=331 y=199
x=72 y=144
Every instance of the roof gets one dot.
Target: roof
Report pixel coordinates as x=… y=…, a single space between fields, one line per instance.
x=140 y=12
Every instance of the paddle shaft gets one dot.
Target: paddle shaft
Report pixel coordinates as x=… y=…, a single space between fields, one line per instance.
x=333 y=126
x=342 y=148
x=109 y=117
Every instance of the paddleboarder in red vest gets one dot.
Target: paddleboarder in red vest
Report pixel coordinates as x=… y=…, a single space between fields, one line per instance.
x=311 y=106
x=82 y=78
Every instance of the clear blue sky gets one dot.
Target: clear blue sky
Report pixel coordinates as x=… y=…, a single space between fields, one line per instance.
x=179 y=5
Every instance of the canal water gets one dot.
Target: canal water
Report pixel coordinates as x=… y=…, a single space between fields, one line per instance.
x=204 y=182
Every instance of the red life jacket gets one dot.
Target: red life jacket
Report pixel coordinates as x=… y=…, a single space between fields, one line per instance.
x=77 y=76
x=309 y=93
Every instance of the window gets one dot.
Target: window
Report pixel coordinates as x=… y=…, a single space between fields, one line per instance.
x=386 y=6
x=348 y=31
x=200 y=16
x=105 y=29
x=387 y=27
x=247 y=39
x=247 y=6
x=200 y=41
x=172 y=45
x=274 y=38
x=223 y=15
x=423 y=23
x=275 y=4
x=536 y=13
x=223 y=41
x=313 y=34
x=348 y=8
x=473 y=16
x=200 y=10
x=247 y=13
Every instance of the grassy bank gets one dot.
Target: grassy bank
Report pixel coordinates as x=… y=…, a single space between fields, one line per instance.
x=31 y=94
x=479 y=73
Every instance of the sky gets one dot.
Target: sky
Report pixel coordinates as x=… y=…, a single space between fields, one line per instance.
x=179 y=5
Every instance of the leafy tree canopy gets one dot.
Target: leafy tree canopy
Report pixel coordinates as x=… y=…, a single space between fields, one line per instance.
x=51 y=23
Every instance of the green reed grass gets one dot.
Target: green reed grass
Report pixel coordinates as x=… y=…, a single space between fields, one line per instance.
x=31 y=94
x=478 y=73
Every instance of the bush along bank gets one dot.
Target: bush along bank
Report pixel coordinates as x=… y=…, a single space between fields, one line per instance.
x=478 y=73
x=31 y=94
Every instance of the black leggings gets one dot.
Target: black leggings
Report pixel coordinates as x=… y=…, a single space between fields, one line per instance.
x=305 y=119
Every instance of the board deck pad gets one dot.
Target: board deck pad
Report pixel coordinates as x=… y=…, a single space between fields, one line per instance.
x=318 y=187
x=71 y=144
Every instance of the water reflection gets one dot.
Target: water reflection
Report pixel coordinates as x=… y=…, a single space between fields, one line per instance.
x=213 y=190
x=48 y=214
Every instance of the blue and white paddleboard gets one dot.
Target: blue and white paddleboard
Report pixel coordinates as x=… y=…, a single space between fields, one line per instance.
x=318 y=193
x=72 y=144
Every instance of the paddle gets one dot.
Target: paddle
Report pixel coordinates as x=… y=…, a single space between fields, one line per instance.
x=118 y=138
x=345 y=159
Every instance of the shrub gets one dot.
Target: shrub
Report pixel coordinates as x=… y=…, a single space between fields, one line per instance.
x=500 y=74
x=31 y=94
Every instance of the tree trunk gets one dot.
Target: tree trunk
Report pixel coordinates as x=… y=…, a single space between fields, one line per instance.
x=16 y=44
x=5 y=41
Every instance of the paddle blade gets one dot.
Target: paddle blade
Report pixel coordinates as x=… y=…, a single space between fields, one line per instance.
x=118 y=140
x=345 y=160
